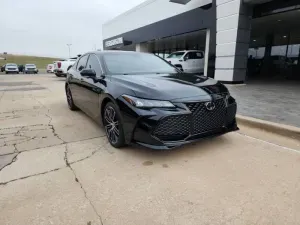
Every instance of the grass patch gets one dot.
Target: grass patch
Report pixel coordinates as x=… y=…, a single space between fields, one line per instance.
x=40 y=62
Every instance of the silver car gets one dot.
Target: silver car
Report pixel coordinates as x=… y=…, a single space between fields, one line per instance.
x=11 y=68
x=30 y=68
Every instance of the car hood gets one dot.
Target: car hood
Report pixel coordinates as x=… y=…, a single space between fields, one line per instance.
x=190 y=87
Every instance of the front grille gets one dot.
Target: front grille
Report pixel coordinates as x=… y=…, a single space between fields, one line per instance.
x=204 y=120
x=173 y=128
x=201 y=120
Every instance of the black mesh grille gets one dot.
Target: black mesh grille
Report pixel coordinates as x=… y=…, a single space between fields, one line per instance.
x=204 y=120
x=201 y=120
x=173 y=128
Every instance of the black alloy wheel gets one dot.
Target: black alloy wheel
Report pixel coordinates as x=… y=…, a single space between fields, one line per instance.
x=113 y=126
x=71 y=104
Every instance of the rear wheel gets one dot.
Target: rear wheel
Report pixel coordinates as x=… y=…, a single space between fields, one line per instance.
x=71 y=104
x=113 y=125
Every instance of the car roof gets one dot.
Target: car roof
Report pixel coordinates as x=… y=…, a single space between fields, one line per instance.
x=116 y=52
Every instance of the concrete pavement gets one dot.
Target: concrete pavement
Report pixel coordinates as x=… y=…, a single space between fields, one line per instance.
x=56 y=167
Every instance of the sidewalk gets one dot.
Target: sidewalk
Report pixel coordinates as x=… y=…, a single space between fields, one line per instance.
x=275 y=101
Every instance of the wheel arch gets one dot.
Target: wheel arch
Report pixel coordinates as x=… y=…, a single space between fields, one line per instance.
x=106 y=99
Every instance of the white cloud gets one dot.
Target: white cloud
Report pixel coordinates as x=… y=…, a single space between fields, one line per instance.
x=44 y=27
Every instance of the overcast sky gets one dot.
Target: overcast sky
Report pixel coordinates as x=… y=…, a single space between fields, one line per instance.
x=44 y=27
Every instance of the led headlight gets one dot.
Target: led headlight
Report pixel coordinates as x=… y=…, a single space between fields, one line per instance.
x=147 y=103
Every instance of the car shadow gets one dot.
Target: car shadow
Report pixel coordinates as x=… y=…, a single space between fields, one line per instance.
x=192 y=150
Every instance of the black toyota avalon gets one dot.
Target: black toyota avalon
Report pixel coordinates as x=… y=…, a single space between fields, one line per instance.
x=140 y=98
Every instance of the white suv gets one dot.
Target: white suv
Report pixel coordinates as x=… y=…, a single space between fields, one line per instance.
x=191 y=61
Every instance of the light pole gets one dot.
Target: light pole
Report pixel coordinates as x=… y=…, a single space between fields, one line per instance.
x=69 y=46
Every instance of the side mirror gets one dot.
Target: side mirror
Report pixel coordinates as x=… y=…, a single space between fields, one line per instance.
x=88 y=73
x=185 y=58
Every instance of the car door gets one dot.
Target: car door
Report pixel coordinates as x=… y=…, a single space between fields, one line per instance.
x=93 y=87
x=76 y=83
x=187 y=64
x=199 y=62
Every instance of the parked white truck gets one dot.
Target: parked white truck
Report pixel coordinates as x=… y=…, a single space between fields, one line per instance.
x=191 y=61
x=61 y=67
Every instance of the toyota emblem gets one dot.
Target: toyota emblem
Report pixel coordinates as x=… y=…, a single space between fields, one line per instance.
x=210 y=106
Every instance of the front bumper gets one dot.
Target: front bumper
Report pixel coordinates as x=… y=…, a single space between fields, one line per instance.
x=11 y=71
x=169 y=128
x=30 y=71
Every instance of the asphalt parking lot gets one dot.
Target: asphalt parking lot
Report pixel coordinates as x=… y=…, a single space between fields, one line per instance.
x=56 y=167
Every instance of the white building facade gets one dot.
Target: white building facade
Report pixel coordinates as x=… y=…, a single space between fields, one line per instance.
x=221 y=28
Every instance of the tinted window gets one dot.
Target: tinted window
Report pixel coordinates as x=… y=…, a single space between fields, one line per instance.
x=82 y=63
x=136 y=63
x=194 y=55
x=93 y=63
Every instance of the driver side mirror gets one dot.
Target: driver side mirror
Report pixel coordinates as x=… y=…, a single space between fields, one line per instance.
x=88 y=73
x=185 y=58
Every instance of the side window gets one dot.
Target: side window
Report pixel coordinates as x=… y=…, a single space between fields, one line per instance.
x=199 y=55
x=194 y=55
x=82 y=63
x=94 y=64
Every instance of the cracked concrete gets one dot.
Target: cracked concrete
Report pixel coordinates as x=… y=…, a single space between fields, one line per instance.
x=56 y=167
x=6 y=160
x=42 y=160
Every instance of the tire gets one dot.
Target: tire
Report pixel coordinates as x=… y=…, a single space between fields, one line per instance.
x=58 y=75
x=6 y=72
x=70 y=101
x=113 y=125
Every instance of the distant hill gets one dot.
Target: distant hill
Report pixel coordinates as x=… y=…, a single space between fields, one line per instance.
x=40 y=62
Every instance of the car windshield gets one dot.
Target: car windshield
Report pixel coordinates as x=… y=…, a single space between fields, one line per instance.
x=11 y=65
x=176 y=55
x=30 y=65
x=136 y=63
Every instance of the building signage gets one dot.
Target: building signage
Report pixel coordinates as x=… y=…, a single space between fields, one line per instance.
x=114 y=42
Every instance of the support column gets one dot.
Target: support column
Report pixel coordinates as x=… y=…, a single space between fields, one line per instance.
x=233 y=36
x=206 y=57
x=141 y=47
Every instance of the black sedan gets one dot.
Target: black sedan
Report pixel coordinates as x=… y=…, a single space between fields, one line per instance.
x=140 y=98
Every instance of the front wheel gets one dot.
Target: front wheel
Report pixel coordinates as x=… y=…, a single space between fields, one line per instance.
x=113 y=125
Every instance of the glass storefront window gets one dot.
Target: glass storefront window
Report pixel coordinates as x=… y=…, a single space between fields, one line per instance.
x=256 y=53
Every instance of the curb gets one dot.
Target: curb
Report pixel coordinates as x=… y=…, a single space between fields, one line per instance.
x=280 y=129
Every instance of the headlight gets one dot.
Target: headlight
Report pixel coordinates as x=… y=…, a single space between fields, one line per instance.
x=147 y=103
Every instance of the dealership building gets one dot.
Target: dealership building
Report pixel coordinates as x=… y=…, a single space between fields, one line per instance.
x=242 y=39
